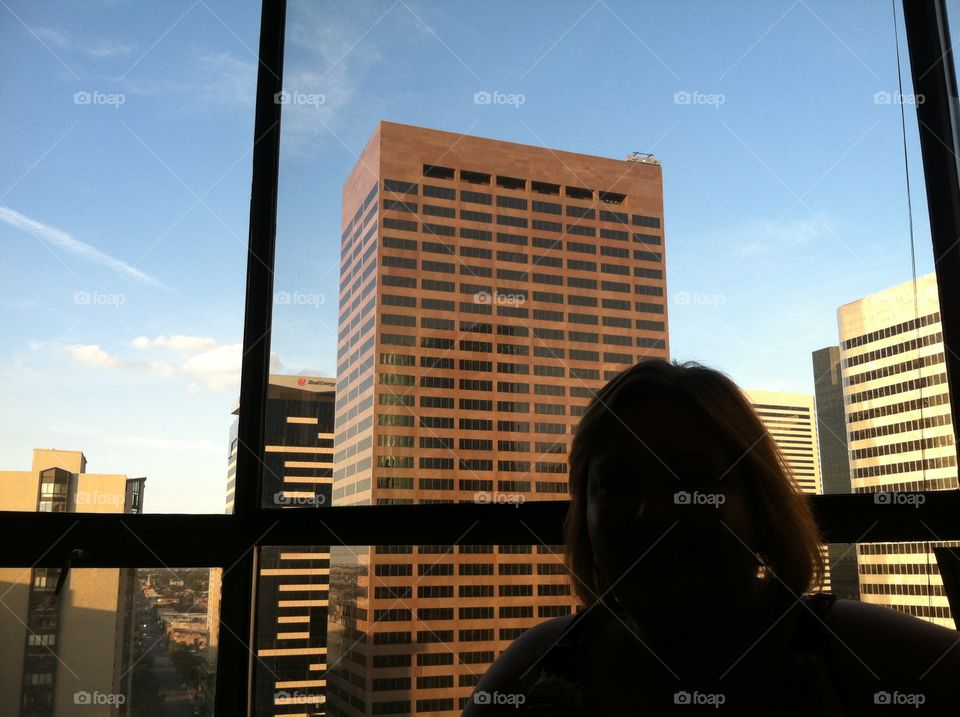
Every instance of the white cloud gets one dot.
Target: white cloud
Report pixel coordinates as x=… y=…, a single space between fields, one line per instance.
x=764 y=236
x=215 y=79
x=162 y=369
x=229 y=79
x=798 y=232
x=62 y=240
x=218 y=368
x=328 y=55
x=176 y=343
x=49 y=35
x=98 y=49
x=180 y=444
x=207 y=364
x=751 y=248
x=93 y=355
x=109 y=48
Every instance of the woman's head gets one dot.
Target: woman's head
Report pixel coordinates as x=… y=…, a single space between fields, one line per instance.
x=678 y=492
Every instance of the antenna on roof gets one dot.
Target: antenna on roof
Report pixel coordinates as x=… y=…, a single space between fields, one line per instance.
x=645 y=157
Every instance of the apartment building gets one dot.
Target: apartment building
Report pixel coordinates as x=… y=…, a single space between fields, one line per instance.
x=47 y=639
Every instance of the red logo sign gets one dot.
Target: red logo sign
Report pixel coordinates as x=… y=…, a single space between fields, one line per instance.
x=301 y=382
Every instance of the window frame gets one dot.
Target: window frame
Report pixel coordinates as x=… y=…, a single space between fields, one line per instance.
x=50 y=540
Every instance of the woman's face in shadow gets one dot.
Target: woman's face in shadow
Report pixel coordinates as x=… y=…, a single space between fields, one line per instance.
x=667 y=512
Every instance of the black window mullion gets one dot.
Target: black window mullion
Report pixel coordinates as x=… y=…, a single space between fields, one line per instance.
x=237 y=601
x=126 y=540
x=934 y=79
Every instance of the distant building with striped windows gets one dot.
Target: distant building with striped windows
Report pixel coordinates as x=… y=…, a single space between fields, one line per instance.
x=293 y=582
x=899 y=433
x=791 y=420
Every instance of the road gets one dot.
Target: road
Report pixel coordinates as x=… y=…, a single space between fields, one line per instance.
x=179 y=698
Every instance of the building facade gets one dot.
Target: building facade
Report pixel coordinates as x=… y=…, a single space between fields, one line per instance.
x=487 y=290
x=834 y=462
x=48 y=639
x=899 y=433
x=791 y=420
x=293 y=582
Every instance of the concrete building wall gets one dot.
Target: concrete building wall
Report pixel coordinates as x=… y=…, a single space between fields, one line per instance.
x=89 y=633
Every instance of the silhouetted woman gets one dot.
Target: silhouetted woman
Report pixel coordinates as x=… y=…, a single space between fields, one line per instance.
x=700 y=568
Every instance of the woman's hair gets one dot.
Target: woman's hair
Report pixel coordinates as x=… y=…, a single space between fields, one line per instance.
x=788 y=540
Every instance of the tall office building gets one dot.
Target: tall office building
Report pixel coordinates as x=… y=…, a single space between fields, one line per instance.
x=487 y=290
x=899 y=432
x=292 y=595
x=790 y=418
x=297 y=469
x=834 y=462
x=45 y=665
x=828 y=387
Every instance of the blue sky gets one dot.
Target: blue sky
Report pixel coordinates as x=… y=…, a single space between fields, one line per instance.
x=124 y=191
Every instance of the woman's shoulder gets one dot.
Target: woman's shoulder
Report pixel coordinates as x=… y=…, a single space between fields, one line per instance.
x=507 y=674
x=881 y=632
x=878 y=649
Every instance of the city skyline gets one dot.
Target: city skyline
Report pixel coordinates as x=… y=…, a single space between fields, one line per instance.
x=782 y=205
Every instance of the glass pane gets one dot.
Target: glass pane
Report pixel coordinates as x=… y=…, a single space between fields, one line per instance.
x=412 y=629
x=468 y=260
x=115 y=641
x=404 y=629
x=497 y=265
x=124 y=201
